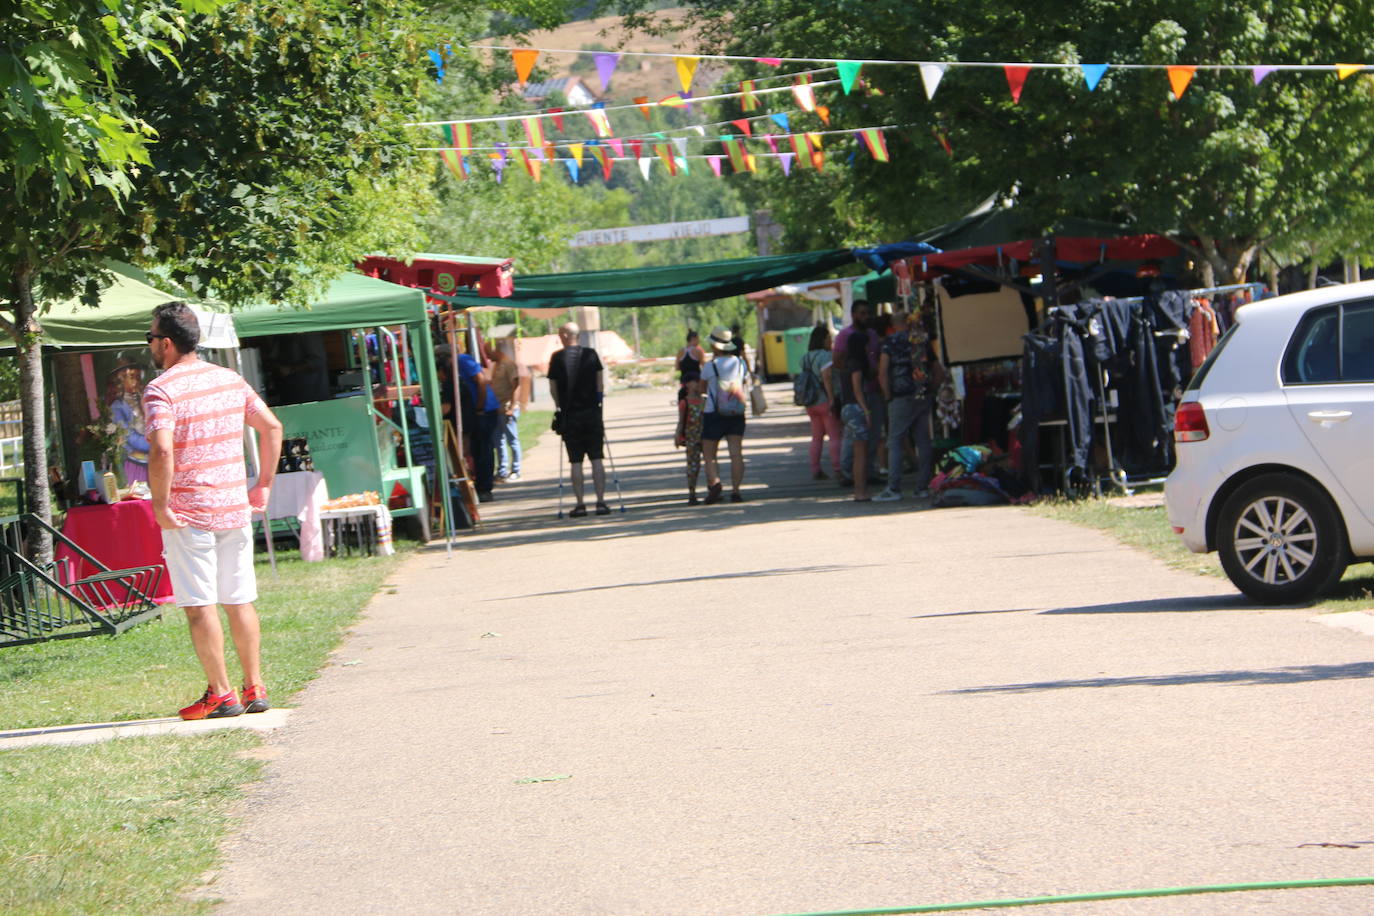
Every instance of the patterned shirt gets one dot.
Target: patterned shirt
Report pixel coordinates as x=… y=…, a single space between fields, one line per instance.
x=204 y=406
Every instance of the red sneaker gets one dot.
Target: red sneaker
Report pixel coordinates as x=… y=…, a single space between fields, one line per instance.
x=255 y=699
x=210 y=706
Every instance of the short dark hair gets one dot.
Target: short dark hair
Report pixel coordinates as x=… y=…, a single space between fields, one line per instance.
x=179 y=324
x=691 y=334
x=820 y=337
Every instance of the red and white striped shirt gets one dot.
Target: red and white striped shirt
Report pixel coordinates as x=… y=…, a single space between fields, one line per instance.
x=204 y=406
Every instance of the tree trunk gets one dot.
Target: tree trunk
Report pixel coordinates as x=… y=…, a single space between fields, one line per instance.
x=29 y=351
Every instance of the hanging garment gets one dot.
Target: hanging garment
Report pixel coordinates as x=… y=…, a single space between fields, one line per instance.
x=1202 y=333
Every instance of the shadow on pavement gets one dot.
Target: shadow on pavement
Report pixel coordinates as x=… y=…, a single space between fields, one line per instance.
x=1298 y=674
x=751 y=574
x=1166 y=606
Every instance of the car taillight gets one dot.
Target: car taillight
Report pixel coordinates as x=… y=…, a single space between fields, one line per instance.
x=1190 y=423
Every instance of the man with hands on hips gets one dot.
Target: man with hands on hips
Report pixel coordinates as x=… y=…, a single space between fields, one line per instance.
x=196 y=412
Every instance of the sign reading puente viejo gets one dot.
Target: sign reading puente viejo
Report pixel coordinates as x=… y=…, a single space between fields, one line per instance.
x=661 y=232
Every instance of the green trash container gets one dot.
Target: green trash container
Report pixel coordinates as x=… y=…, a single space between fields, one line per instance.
x=795 y=340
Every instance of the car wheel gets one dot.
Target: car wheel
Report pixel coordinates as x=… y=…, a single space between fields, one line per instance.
x=1281 y=540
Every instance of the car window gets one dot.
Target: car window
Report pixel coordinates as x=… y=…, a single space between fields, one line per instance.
x=1313 y=356
x=1357 y=342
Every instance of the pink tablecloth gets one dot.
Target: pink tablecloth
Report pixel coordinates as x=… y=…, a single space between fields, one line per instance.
x=121 y=536
x=301 y=495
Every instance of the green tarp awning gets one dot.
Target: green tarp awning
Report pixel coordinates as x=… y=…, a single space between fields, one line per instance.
x=351 y=301
x=125 y=312
x=675 y=285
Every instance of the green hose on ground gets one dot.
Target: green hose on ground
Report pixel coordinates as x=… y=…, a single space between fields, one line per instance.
x=1108 y=895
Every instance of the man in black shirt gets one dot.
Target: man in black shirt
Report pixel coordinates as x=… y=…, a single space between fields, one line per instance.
x=575 y=382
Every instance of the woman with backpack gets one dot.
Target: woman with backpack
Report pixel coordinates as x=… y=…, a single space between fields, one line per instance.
x=814 y=390
x=723 y=418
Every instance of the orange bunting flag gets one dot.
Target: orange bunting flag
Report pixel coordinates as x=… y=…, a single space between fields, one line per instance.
x=557 y=115
x=643 y=102
x=605 y=161
x=824 y=113
x=1016 y=81
x=875 y=141
x=747 y=100
x=686 y=69
x=532 y=165
x=549 y=152
x=1344 y=70
x=534 y=131
x=576 y=150
x=524 y=63
x=664 y=152
x=944 y=141
x=743 y=125
x=1179 y=78
x=454 y=160
x=818 y=159
x=601 y=122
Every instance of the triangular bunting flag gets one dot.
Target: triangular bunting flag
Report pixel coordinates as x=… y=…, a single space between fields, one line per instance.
x=743 y=125
x=532 y=165
x=637 y=149
x=459 y=135
x=818 y=160
x=666 y=154
x=574 y=170
x=931 y=74
x=770 y=61
x=549 y=152
x=539 y=154
x=686 y=69
x=944 y=141
x=824 y=113
x=1092 y=74
x=643 y=102
x=601 y=157
x=524 y=62
x=1344 y=70
x=701 y=131
x=1261 y=72
x=681 y=144
x=802 y=149
x=644 y=167
x=618 y=146
x=672 y=101
x=750 y=162
x=501 y=151
x=782 y=121
x=556 y=114
x=805 y=95
x=715 y=164
x=875 y=141
x=605 y=66
x=849 y=72
x=735 y=150
x=772 y=144
x=576 y=150
x=815 y=139
x=1179 y=78
x=534 y=131
x=785 y=160
x=454 y=160
x=747 y=100
x=498 y=165
x=1016 y=80
x=601 y=122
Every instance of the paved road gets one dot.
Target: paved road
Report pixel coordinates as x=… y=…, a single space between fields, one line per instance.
x=803 y=704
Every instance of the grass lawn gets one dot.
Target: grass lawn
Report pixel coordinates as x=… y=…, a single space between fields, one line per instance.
x=132 y=824
x=1147 y=528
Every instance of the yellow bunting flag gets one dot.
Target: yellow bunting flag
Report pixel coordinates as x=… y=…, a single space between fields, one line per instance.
x=686 y=69
x=747 y=100
x=875 y=141
x=643 y=102
x=524 y=62
x=605 y=161
x=815 y=140
x=534 y=131
x=1179 y=78
x=672 y=101
x=1344 y=70
x=750 y=162
x=576 y=150
x=454 y=160
x=664 y=152
x=601 y=122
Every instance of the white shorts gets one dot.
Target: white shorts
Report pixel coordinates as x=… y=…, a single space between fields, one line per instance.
x=210 y=567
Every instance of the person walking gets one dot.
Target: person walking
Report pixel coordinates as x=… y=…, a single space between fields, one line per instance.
x=723 y=414
x=909 y=375
x=195 y=413
x=856 y=412
x=819 y=361
x=575 y=382
x=690 y=405
x=505 y=382
x=485 y=411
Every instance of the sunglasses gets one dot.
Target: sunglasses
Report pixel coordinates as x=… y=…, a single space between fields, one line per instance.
x=150 y=335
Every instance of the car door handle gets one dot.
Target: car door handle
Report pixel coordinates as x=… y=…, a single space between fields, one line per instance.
x=1328 y=417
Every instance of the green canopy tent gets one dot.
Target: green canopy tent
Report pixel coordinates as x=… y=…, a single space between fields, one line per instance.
x=678 y=284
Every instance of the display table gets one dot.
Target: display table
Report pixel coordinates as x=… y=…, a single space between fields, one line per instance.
x=366 y=528
x=301 y=495
x=121 y=535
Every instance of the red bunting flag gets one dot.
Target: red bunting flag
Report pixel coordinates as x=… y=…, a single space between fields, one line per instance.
x=664 y=152
x=747 y=100
x=743 y=125
x=532 y=165
x=1179 y=78
x=557 y=115
x=524 y=63
x=605 y=161
x=1016 y=81
x=944 y=141
x=643 y=102
x=636 y=149
x=875 y=141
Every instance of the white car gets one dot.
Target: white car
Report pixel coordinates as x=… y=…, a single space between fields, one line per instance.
x=1275 y=443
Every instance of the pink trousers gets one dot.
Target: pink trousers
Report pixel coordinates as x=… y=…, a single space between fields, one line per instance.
x=823 y=424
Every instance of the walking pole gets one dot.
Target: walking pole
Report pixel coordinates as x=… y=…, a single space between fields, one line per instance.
x=560 y=479
x=614 y=476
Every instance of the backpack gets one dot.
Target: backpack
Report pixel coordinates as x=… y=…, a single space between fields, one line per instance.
x=729 y=396
x=807 y=390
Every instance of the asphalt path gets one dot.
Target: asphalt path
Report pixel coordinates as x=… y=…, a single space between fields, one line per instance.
x=803 y=704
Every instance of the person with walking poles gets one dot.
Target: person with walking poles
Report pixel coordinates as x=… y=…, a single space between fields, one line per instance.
x=575 y=382
x=906 y=370
x=725 y=377
x=195 y=414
